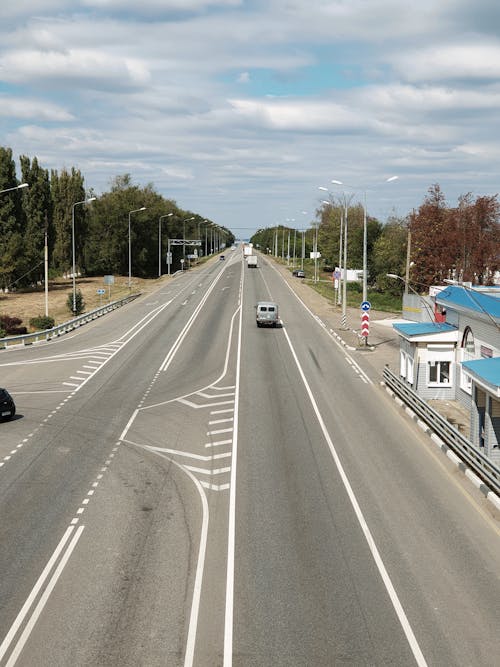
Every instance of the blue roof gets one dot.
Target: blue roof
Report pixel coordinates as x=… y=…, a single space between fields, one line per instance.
x=456 y=295
x=423 y=328
x=487 y=370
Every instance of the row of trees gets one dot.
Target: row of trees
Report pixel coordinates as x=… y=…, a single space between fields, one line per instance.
x=46 y=208
x=459 y=243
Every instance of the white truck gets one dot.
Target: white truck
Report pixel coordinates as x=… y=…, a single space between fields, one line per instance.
x=252 y=262
x=247 y=249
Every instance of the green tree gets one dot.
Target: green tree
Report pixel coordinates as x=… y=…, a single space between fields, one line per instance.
x=37 y=214
x=67 y=188
x=389 y=255
x=11 y=221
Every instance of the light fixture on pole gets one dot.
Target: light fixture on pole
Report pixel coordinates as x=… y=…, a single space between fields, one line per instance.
x=365 y=233
x=84 y=201
x=136 y=210
x=167 y=215
x=184 y=239
x=17 y=187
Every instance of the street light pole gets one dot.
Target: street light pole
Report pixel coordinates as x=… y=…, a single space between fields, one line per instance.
x=143 y=208
x=85 y=201
x=17 y=187
x=365 y=233
x=167 y=215
x=184 y=239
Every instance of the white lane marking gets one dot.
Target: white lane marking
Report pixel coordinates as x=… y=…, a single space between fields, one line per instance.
x=214 y=487
x=205 y=395
x=218 y=443
x=173 y=350
x=334 y=338
x=220 y=421
x=220 y=430
x=202 y=471
x=70 y=384
x=412 y=641
x=231 y=531
x=32 y=596
x=203 y=405
x=190 y=455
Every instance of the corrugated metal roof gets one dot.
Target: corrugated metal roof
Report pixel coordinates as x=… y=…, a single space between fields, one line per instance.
x=423 y=328
x=455 y=295
x=486 y=370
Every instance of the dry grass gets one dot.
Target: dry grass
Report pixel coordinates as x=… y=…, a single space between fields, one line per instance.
x=26 y=304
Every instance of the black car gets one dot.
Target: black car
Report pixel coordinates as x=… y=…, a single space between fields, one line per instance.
x=7 y=405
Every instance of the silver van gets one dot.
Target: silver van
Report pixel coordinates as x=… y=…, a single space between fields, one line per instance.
x=266 y=314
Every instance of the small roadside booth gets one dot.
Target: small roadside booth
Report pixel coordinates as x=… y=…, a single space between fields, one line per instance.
x=485 y=409
x=427 y=357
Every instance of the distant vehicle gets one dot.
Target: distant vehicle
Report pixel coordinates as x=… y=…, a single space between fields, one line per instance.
x=7 y=405
x=222 y=257
x=252 y=262
x=247 y=249
x=298 y=273
x=266 y=314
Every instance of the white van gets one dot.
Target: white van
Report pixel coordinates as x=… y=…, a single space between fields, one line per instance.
x=266 y=314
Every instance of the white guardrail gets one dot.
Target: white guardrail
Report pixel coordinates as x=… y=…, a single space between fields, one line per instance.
x=60 y=329
x=470 y=455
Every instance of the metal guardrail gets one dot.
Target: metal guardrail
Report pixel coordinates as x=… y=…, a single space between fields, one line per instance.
x=477 y=461
x=60 y=329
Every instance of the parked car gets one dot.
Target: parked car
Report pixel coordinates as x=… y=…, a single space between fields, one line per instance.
x=222 y=257
x=298 y=273
x=266 y=314
x=7 y=405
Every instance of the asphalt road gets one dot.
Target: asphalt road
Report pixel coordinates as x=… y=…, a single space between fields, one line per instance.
x=183 y=488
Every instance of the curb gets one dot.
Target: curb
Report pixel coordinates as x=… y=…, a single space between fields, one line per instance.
x=456 y=460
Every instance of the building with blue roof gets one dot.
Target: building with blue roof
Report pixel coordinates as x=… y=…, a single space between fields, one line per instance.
x=459 y=359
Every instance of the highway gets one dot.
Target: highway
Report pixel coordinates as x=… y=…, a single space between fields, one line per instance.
x=180 y=487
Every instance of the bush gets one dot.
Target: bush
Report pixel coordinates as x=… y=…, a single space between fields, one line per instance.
x=12 y=325
x=79 y=303
x=42 y=322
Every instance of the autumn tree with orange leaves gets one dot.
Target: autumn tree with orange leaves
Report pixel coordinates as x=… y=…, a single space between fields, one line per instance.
x=461 y=243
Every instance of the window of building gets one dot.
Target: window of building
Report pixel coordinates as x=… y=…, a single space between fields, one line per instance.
x=439 y=373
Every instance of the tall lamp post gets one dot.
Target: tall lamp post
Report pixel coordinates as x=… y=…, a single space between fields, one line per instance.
x=365 y=234
x=167 y=215
x=184 y=238
x=143 y=208
x=85 y=201
x=17 y=187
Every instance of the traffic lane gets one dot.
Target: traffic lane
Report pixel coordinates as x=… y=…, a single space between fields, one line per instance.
x=64 y=371
x=307 y=590
x=410 y=501
x=52 y=471
x=124 y=596
x=119 y=390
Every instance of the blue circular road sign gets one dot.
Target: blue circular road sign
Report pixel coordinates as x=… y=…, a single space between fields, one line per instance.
x=366 y=305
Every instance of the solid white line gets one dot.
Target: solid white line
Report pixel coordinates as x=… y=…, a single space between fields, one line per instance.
x=43 y=600
x=412 y=641
x=231 y=531
x=220 y=412
x=220 y=430
x=220 y=421
x=31 y=597
x=70 y=384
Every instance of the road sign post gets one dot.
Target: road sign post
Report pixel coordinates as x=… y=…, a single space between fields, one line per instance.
x=365 y=320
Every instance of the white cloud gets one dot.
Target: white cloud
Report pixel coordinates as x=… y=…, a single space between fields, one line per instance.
x=20 y=107
x=95 y=68
x=447 y=62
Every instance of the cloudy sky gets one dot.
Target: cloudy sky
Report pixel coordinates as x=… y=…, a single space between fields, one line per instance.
x=240 y=109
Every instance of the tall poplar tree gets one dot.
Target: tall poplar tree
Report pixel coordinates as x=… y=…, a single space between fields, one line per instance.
x=37 y=215
x=11 y=241
x=67 y=188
